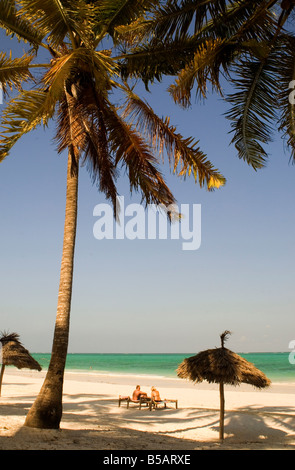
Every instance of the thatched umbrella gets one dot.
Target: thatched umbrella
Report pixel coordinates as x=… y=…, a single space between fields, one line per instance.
x=220 y=365
x=14 y=353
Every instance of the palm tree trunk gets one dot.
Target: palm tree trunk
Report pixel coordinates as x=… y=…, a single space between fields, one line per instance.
x=1 y=376
x=46 y=411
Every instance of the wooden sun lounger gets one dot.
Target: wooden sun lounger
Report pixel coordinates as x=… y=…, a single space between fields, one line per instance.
x=156 y=403
x=141 y=401
x=147 y=401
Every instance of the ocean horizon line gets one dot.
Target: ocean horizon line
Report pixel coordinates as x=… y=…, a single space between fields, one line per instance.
x=166 y=353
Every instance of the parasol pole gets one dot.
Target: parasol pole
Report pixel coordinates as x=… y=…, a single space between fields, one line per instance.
x=1 y=376
x=221 y=425
x=223 y=338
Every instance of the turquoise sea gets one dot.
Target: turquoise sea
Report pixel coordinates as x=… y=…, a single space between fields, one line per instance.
x=275 y=365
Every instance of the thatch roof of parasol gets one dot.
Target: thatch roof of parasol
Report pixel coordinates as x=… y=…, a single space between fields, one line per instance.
x=14 y=353
x=221 y=365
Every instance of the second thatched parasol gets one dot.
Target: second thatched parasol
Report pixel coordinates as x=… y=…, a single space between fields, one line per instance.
x=14 y=353
x=220 y=365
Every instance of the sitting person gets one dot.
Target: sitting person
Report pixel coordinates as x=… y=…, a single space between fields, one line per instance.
x=137 y=394
x=155 y=395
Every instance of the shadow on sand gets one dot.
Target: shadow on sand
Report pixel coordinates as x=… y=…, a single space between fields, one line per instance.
x=104 y=425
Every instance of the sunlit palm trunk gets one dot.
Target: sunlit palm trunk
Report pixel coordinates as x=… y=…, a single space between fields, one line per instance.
x=46 y=411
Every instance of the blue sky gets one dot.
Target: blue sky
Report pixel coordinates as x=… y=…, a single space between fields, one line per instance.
x=150 y=295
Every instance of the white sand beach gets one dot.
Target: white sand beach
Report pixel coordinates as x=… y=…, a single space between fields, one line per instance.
x=92 y=419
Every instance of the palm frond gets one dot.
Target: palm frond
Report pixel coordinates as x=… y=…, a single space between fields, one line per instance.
x=133 y=33
x=151 y=61
x=21 y=115
x=17 y=26
x=72 y=67
x=204 y=68
x=133 y=153
x=81 y=127
x=59 y=18
x=214 y=58
x=56 y=77
x=221 y=33
x=174 y=19
x=286 y=98
x=228 y=33
x=13 y=72
x=185 y=157
x=253 y=108
x=242 y=21
x=210 y=19
x=112 y=14
x=226 y=25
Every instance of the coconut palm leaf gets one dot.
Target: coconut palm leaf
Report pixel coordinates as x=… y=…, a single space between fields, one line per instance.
x=204 y=68
x=226 y=36
x=71 y=68
x=286 y=72
x=133 y=153
x=99 y=159
x=174 y=19
x=181 y=152
x=210 y=19
x=59 y=73
x=219 y=40
x=14 y=25
x=112 y=14
x=81 y=127
x=214 y=57
x=150 y=62
x=253 y=108
x=21 y=115
x=138 y=31
x=59 y=18
x=242 y=21
x=244 y=41
x=97 y=149
x=13 y=72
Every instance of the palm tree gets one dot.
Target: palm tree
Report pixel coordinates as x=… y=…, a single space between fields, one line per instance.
x=73 y=88
x=249 y=45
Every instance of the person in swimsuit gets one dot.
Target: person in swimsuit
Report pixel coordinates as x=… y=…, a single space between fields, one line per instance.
x=155 y=395
x=137 y=394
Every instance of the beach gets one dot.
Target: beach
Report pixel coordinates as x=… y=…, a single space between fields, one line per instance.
x=92 y=420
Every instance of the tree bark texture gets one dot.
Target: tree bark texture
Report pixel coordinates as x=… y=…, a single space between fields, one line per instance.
x=1 y=376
